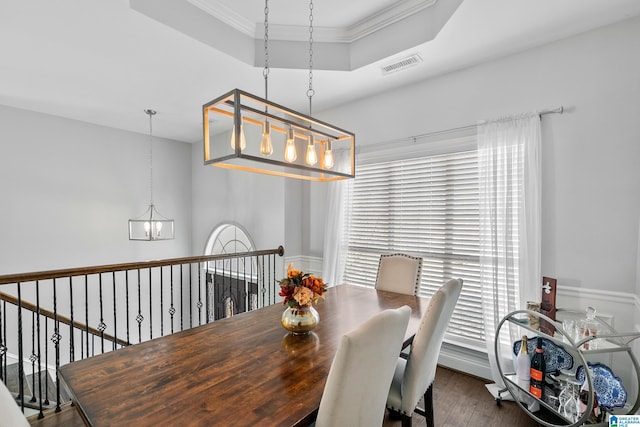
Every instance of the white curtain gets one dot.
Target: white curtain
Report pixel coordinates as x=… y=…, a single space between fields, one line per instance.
x=509 y=174
x=336 y=232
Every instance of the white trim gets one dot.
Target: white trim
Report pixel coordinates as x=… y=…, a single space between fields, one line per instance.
x=227 y=15
x=307 y=264
x=349 y=34
x=465 y=360
x=387 y=16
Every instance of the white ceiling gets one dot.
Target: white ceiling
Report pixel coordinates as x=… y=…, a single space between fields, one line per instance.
x=104 y=62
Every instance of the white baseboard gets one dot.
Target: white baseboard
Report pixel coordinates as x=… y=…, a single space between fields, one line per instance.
x=462 y=359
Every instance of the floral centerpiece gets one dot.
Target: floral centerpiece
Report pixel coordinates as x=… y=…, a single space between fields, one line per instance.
x=299 y=291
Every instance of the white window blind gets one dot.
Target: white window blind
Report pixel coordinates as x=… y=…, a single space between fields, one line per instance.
x=428 y=207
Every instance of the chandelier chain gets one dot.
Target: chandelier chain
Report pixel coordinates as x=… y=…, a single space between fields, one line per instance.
x=265 y=71
x=150 y=113
x=310 y=91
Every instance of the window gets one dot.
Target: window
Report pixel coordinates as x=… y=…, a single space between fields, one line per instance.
x=427 y=206
x=232 y=284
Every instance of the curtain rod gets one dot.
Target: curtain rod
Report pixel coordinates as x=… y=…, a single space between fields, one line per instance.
x=557 y=110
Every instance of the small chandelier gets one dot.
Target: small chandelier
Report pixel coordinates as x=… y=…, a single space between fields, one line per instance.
x=245 y=132
x=151 y=225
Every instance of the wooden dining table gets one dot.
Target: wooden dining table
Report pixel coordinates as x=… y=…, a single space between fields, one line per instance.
x=245 y=370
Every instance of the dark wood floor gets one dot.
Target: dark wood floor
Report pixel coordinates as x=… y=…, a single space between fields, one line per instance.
x=459 y=401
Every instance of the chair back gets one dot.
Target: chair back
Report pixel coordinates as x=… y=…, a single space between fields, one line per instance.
x=423 y=358
x=399 y=273
x=11 y=415
x=361 y=372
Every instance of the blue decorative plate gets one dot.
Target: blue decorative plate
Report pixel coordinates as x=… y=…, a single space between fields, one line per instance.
x=609 y=389
x=555 y=356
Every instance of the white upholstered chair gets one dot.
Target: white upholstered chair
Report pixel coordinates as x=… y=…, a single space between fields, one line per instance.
x=10 y=413
x=414 y=376
x=358 y=383
x=399 y=273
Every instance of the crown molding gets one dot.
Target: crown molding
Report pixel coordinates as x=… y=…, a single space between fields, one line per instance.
x=384 y=33
x=227 y=15
x=369 y=25
x=388 y=16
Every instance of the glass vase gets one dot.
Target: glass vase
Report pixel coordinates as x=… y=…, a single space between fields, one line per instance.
x=300 y=320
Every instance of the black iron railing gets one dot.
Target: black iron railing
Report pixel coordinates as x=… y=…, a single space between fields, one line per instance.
x=51 y=318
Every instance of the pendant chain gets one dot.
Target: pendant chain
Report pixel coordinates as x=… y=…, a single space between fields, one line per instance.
x=265 y=71
x=310 y=92
x=150 y=113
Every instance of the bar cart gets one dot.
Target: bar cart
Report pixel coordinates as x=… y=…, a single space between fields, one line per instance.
x=606 y=340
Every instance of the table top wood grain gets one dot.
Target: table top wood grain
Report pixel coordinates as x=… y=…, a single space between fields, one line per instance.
x=241 y=371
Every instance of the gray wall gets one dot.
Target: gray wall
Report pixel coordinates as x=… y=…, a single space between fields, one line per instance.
x=591 y=154
x=255 y=201
x=68 y=189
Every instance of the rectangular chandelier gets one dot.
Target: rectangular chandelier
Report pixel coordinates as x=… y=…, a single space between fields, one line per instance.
x=274 y=140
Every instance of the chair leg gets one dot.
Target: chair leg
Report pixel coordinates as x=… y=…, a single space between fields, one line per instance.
x=428 y=406
x=406 y=421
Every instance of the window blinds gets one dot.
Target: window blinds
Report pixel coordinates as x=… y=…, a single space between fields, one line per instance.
x=428 y=207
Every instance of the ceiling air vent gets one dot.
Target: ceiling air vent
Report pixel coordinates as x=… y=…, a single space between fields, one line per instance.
x=402 y=64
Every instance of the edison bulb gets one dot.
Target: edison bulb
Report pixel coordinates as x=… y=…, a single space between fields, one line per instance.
x=290 y=154
x=243 y=140
x=266 y=147
x=328 y=158
x=312 y=157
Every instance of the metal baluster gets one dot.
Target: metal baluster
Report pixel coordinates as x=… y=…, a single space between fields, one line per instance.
x=56 y=340
x=20 y=353
x=181 y=306
x=86 y=311
x=266 y=277
x=272 y=278
x=264 y=289
x=46 y=360
x=3 y=347
x=172 y=310
x=207 y=294
x=246 y=285
x=32 y=357
x=162 y=299
x=254 y=258
x=150 y=308
x=40 y=414
x=115 y=317
x=101 y=326
x=190 y=294
x=200 y=272
x=139 y=317
x=214 y=292
x=72 y=349
x=126 y=282
x=227 y=278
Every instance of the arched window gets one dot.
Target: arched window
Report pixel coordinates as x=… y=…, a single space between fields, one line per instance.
x=232 y=284
x=229 y=238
